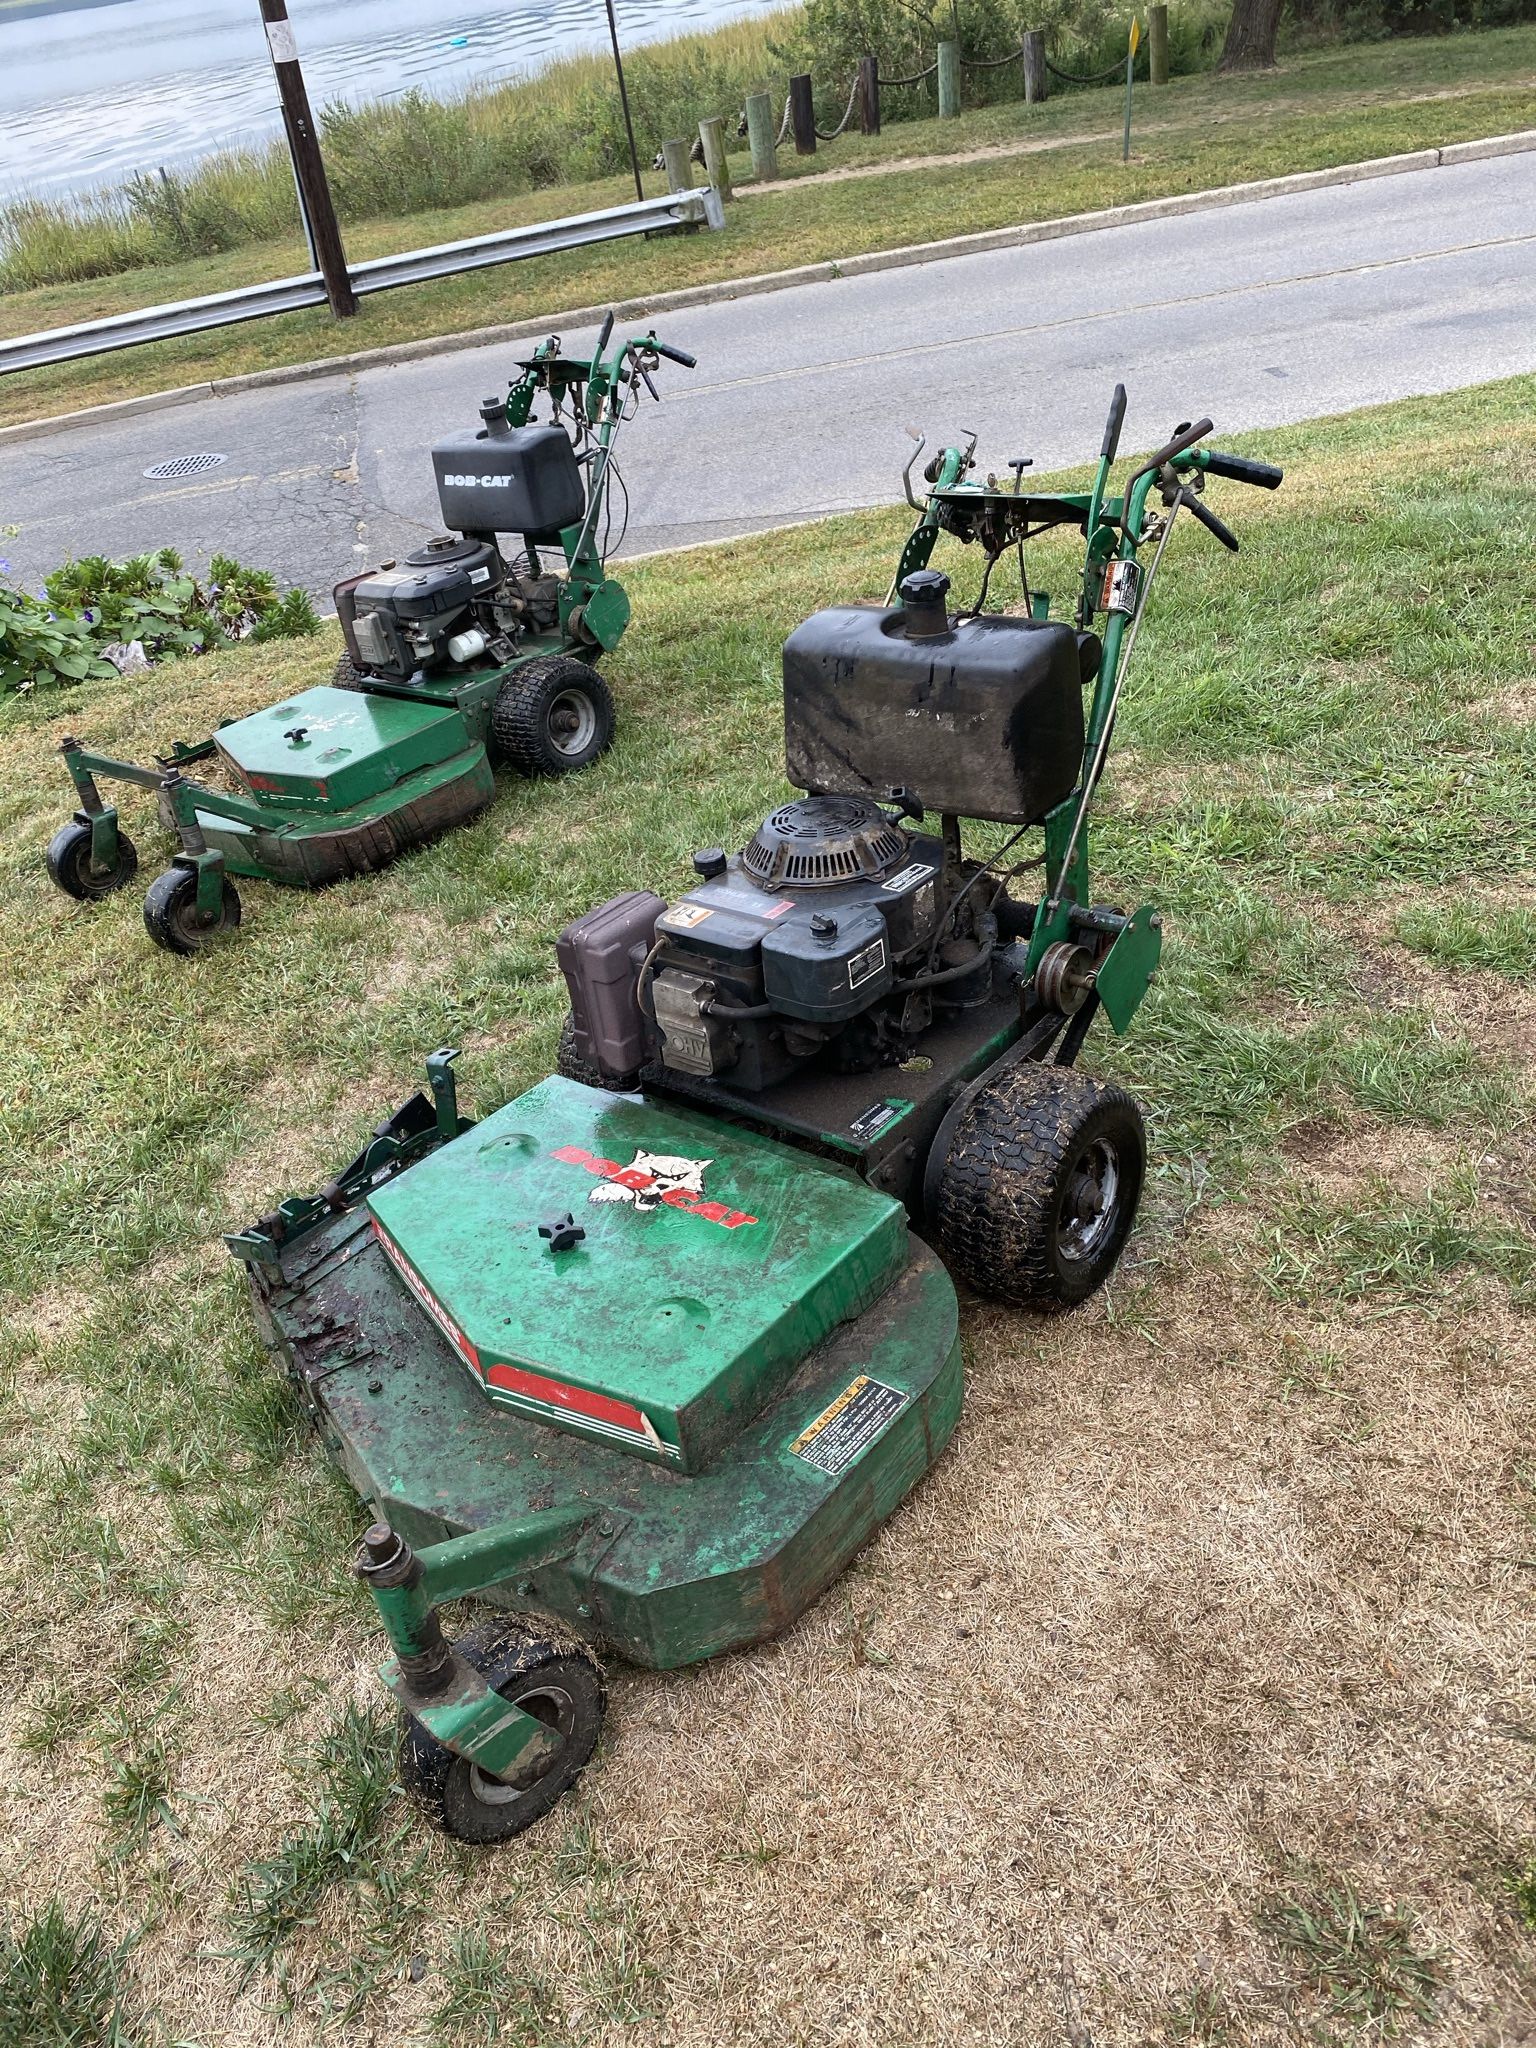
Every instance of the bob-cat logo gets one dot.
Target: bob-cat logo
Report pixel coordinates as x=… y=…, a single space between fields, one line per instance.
x=652 y=1180
x=484 y=483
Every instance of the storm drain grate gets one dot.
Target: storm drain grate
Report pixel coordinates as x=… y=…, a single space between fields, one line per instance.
x=185 y=465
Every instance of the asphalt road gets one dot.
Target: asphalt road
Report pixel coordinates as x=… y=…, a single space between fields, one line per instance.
x=1258 y=315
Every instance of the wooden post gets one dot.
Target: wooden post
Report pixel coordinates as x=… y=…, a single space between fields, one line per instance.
x=802 y=114
x=949 y=81
x=717 y=171
x=869 y=95
x=761 y=135
x=674 y=157
x=308 y=165
x=1157 y=25
x=1036 y=78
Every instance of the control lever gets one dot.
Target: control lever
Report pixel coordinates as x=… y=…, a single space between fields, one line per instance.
x=1207 y=518
x=1110 y=446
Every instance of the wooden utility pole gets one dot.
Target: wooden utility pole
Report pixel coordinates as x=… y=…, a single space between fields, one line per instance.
x=308 y=165
x=629 y=126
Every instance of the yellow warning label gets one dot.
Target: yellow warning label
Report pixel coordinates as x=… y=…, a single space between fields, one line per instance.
x=858 y=1415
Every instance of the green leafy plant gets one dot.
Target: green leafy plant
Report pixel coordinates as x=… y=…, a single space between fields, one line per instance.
x=93 y=604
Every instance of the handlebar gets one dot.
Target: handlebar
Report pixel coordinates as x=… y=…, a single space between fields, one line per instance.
x=674 y=355
x=1186 y=437
x=602 y=336
x=1238 y=469
x=1109 y=447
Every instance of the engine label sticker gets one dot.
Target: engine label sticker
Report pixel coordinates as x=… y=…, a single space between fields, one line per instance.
x=778 y=909
x=686 y=916
x=652 y=1180
x=907 y=878
x=866 y=965
x=860 y=1413
x=875 y=1119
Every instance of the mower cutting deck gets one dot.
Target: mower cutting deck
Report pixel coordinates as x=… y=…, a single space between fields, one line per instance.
x=649 y=1353
x=458 y=659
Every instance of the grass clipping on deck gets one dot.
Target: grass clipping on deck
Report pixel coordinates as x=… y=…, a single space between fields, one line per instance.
x=1189 y=1700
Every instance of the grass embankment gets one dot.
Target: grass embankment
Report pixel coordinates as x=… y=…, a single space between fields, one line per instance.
x=1199 y=1670
x=1035 y=163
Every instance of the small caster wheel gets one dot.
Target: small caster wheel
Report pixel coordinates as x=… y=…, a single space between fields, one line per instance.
x=348 y=675
x=551 y=716
x=69 y=864
x=570 y=1064
x=171 y=915
x=562 y=1688
x=1037 y=1193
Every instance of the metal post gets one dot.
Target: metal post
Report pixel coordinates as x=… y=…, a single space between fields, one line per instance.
x=1131 y=42
x=1157 y=26
x=761 y=136
x=674 y=157
x=629 y=126
x=802 y=114
x=949 y=81
x=717 y=170
x=1036 y=78
x=308 y=166
x=869 y=95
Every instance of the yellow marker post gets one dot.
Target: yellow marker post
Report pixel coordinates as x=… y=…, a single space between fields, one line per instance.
x=1132 y=45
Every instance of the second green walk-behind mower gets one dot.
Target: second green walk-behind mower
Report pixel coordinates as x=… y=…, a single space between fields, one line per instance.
x=459 y=659
x=644 y=1357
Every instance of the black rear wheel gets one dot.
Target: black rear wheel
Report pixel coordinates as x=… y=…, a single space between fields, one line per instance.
x=561 y=1687
x=172 y=918
x=551 y=716
x=1039 y=1188
x=70 y=868
x=348 y=675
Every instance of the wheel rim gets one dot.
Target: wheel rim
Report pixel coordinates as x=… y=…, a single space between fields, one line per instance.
x=190 y=923
x=1091 y=1202
x=572 y=722
x=554 y=1706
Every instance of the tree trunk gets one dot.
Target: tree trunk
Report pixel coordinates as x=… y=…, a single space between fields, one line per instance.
x=1250 y=44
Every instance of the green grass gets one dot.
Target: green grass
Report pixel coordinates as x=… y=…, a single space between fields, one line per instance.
x=1295 y=757
x=1363 y=1962
x=1320 y=108
x=63 y=1985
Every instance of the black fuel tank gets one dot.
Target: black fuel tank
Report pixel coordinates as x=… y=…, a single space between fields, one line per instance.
x=985 y=719
x=519 y=480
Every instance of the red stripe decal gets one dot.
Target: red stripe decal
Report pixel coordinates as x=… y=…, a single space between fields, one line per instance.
x=533 y=1386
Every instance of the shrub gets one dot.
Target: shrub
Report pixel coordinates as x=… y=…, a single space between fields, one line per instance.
x=92 y=605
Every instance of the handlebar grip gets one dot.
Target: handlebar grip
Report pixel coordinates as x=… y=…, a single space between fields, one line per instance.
x=1263 y=475
x=674 y=355
x=1208 y=519
x=1109 y=447
x=602 y=335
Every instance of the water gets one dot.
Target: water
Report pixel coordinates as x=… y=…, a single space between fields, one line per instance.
x=94 y=90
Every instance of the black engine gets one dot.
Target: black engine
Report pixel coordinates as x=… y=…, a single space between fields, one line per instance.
x=458 y=600
x=840 y=932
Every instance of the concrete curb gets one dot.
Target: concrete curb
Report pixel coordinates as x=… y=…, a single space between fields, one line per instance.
x=827 y=271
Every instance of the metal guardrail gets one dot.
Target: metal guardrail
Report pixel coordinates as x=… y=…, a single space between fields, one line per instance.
x=287 y=294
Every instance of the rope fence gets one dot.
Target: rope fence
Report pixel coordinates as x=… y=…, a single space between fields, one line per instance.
x=798 y=119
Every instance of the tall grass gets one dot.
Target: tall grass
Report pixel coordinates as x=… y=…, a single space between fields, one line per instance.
x=393 y=158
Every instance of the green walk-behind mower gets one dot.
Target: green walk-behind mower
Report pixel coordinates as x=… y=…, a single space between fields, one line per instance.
x=458 y=659
x=643 y=1358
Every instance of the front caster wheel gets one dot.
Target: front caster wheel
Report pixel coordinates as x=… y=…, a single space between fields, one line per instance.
x=70 y=869
x=172 y=918
x=1038 y=1191
x=561 y=1688
x=551 y=716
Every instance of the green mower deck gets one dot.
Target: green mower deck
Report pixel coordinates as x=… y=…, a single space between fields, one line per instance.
x=721 y=1389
